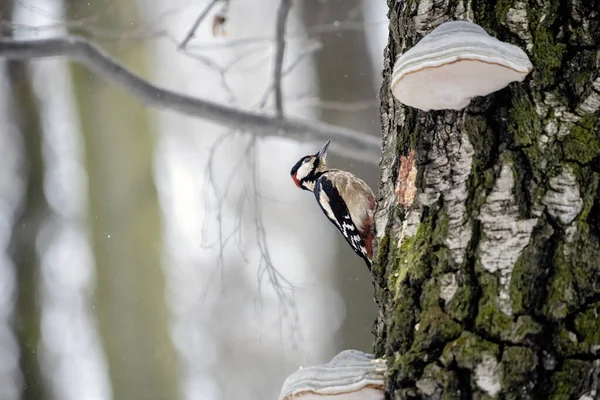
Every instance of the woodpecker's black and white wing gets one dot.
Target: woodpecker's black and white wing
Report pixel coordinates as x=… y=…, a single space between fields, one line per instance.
x=335 y=208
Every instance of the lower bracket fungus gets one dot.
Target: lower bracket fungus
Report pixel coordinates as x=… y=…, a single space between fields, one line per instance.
x=457 y=61
x=351 y=375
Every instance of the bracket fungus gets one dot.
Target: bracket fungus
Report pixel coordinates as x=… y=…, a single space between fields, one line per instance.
x=351 y=375
x=455 y=62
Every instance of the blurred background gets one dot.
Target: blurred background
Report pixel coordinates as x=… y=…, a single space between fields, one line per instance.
x=145 y=254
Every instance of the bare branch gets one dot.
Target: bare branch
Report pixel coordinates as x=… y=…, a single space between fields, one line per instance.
x=336 y=105
x=314 y=47
x=313 y=32
x=282 y=15
x=192 y=31
x=349 y=143
x=284 y=289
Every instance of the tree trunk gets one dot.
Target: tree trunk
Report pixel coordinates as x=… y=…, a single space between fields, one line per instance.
x=132 y=314
x=27 y=320
x=33 y=210
x=489 y=281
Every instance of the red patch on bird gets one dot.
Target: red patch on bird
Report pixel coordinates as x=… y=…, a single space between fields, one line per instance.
x=368 y=237
x=369 y=245
x=296 y=181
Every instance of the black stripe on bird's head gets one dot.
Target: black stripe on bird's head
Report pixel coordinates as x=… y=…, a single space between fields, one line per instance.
x=306 y=171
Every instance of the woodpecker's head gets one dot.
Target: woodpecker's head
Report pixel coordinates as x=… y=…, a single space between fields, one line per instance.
x=309 y=168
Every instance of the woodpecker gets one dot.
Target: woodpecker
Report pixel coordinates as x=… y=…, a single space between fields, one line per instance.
x=345 y=199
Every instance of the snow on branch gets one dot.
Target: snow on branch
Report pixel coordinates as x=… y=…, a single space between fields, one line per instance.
x=348 y=143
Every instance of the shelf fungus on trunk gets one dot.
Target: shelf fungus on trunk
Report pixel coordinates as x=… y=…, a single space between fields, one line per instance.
x=351 y=375
x=455 y=62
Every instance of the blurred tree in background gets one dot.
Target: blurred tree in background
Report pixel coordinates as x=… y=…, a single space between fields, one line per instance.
x=124 y=217
x=31 y=214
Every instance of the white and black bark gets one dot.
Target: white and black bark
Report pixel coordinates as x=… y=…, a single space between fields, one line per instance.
x=488 y=281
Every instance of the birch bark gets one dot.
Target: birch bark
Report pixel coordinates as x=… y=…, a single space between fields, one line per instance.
x=488 y=219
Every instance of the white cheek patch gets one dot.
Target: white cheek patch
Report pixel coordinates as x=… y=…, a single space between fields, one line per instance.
x=304 y=170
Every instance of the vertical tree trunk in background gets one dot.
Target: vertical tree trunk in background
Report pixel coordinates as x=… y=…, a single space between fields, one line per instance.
x=33 y=210
x=125 y=218
x=489 y=283
x=346 y=76
x=23 y=244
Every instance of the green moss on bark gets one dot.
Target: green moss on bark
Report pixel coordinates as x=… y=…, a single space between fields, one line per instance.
x=442 y=261
x=412 y=257
x=565 y=341
x=400 y=324
x=381 y=257
x=468 y=351
x=567 y=381
x=524 y=123
x=576 y=273
x=439 y=383
x=589 y=183
x=582 y=144
x=501 y=10
x=587 y=323
x=587 y=328
x=582 y=72
x=561 y=292
x=489 y=318
x=462 y=305
x=407 y=135
x=518 y=371
x=417 y=332
x=528 y=277
x=440 y=232
x=547 y=55
x=555 y=284
x=481 y=179
x=582 y=338
x=436 y=328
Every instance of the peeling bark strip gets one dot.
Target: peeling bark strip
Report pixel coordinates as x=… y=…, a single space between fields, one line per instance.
x=489 y=282
x=446 y=174
x=406 y=188
x=563 y=200
x=505 y=235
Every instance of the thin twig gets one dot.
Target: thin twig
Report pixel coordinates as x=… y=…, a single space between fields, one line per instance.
x=348 y=143
x=282 y=15
x=354 y=106
x=284 y=289
x=313 y=32
x=192 y=31
x=315 y=46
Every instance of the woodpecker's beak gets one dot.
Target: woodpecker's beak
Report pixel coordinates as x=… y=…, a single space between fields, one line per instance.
x=322 y=154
